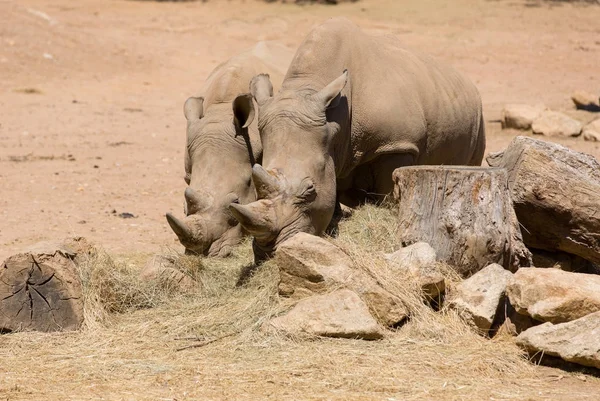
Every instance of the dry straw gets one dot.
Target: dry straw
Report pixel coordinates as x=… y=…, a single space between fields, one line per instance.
x=129 y=346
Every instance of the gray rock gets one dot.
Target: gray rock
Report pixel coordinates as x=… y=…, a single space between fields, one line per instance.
x=591 y=132
x=552 y=295
x=419 y=260
x=520 y=116
x=577 y=341
x=339 y=314
x=553 y=123
x=479 y=297
x=311 y=265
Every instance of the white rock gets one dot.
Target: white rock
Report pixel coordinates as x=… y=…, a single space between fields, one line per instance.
x=479 y=297
x=419 y=260
x=591 y=132
x=162 y=269
x=339 y=314
x=520 y=116
x=553 y=123
x=577 y=341
x=553 y=295
x=311 y=265
x=586 y=101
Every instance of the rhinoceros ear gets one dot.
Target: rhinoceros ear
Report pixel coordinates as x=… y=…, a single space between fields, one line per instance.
x=331 y=92
x=243 y=110
x=261 y=88
x=193 y=108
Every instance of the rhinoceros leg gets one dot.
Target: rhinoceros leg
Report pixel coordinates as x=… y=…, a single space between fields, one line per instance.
x=373 y=181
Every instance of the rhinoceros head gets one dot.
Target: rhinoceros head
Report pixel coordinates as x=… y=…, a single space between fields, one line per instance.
x=297 y=191
x=218 y=162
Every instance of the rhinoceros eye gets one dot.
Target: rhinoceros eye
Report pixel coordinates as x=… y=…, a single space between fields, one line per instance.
x=187 y=179
x=307 y=192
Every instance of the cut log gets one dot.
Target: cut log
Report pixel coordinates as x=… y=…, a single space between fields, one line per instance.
x=40 y=291
x=556 y=193
x=464 y=213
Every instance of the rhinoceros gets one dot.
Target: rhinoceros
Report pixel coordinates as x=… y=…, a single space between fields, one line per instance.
x=222 y=145
x=331 y=138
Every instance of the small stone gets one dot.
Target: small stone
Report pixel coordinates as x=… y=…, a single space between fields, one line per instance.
x=591 y=132
x=419 y=260
x=160 y=268
x=340 y=314
x=520 y=116
x=553 y=123
x=552 y=295
x=478 y=298
x=577 y=341
x=586 y=101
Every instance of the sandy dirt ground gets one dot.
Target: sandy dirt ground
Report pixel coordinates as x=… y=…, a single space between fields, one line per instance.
x=91 y=121
x=91 y=93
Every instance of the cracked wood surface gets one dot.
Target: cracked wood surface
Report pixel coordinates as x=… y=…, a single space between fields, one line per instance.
x=556 y=192
x=464 y=213
x=40 y=291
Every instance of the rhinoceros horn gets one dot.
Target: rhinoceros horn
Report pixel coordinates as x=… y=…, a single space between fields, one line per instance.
x=256 y=218
x=180 y=228
x=266 y=184
x=194 y=201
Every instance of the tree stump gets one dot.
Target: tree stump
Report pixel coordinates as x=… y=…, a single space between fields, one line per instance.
x=40 y=291
x=556 y=193
x=464 y=213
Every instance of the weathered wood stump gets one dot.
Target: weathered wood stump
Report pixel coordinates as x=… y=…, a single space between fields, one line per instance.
x=556 y=193
x=40 y=291
x=464 y=213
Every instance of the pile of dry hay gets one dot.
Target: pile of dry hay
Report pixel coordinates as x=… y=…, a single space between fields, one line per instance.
x=142 y=340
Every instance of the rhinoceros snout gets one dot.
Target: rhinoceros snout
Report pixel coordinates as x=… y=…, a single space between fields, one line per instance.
x=190 y=231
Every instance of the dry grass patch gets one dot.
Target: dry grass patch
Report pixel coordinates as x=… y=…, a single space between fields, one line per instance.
x=130 y=347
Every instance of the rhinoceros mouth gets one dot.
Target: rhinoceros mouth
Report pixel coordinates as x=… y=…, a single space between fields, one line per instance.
x=199 y=236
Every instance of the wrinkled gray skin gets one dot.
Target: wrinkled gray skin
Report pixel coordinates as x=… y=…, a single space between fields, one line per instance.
x=222 y=145
x=331 y=138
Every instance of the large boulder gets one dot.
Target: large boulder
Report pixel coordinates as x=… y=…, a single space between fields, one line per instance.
x=311 y=265
x=586 y=101
x=419 y=261
x=554 y=123
x=520 y=116
x=591 y=132
x=339 y=314
x=552 y=295
x=577 y=341
x=41 y=290
x=479 y=298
